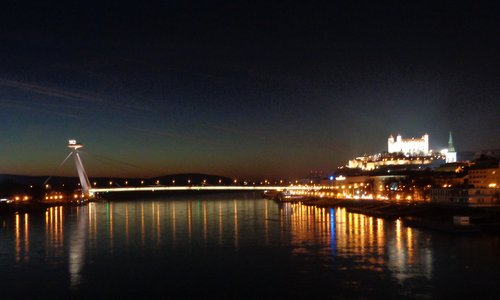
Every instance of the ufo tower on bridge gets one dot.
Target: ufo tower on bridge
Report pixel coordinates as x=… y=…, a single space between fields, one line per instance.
x=84 y=179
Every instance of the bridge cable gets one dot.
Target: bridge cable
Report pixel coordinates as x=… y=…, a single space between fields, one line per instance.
x=60 y=165
x=118 y=163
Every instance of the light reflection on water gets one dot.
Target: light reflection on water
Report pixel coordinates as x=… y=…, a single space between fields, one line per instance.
x=313 y=245
x=372 y=242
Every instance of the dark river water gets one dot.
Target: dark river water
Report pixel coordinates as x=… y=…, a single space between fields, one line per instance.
x=236 y=246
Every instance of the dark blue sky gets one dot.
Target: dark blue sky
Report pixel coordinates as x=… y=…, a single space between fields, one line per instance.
x=241 y=88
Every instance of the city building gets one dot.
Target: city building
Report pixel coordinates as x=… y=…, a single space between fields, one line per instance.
x=484 y=186
x=456 y=196
x=485 y=175
x=451 y=175
x=484 y=178
x=411 y=146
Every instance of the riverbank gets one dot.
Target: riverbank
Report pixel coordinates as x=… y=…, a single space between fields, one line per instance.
x=422 y=215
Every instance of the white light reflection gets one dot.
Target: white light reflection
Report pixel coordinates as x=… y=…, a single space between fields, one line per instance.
x=77 y=247
x=408 y=257
x=235 y=224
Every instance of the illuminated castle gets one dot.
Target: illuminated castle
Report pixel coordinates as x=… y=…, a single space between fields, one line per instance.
x=411 y=146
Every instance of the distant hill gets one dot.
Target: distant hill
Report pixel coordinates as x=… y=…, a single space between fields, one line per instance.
x=466 y=155
x=495 y=153
x=473 y=155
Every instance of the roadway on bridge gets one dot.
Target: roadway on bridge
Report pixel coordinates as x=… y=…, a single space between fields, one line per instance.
x=197 y=188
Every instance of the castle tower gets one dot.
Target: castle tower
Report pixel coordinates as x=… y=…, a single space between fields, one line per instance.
x=425 y=144
x=451 y=155
x=398 y=146
x=84 y=179
x=390 y=144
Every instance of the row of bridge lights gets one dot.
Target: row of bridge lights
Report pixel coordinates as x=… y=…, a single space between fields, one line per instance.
x=235 y=181
x=189 y=181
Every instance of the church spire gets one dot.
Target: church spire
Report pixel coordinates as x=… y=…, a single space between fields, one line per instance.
x=450 y=144
x=451 y=156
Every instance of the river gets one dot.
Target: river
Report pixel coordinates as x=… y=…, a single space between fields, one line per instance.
x=236 y=246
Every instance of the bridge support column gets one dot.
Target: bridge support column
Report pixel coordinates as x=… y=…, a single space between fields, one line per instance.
x=84 y=179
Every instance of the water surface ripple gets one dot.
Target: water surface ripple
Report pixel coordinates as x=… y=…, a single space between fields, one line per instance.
x=236 y=246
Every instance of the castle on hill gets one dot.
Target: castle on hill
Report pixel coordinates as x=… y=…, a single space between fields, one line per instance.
x=408 y=151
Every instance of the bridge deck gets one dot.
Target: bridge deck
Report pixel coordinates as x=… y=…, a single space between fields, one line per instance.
x=197 y=188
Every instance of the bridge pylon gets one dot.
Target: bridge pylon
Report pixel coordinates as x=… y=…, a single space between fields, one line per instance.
x=84 y=179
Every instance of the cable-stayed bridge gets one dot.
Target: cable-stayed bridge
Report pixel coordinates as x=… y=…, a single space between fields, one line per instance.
x=88 y=190
x=196 y=188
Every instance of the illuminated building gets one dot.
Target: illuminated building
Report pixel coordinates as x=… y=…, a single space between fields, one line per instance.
x=412 y=146
x=484 y=181
x=372 y=162
x=485 y=176
x=451 y=155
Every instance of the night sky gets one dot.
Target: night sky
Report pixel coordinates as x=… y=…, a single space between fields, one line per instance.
x=241 y=88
